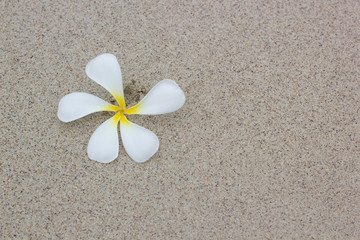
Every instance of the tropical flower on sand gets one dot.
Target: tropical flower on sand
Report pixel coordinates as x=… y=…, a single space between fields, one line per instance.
x=139 y=143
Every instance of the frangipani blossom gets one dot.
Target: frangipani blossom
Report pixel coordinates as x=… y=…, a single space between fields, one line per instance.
x=139 y=143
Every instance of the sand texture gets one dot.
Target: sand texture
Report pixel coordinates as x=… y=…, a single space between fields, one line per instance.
x=267 y=145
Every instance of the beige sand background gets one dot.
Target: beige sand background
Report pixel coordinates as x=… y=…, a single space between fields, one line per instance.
x=267 y=145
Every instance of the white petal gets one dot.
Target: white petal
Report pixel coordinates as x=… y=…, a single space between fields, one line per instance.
x=164 y=97
x=140 y=143
x=105 y=70
x=104 y=143
x=78 y=104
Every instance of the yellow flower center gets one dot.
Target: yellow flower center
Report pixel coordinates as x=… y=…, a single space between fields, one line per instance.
x=121 y=110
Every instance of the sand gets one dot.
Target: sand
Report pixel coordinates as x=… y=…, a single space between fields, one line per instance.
x=267 y=145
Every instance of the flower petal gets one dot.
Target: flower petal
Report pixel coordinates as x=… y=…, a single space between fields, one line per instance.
x=78 y=104
x=104 y=143
x=105 y=70
x=139 y=143
x=164 y=97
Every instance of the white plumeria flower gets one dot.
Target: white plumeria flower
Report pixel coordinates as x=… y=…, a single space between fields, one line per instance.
x=140 y=143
